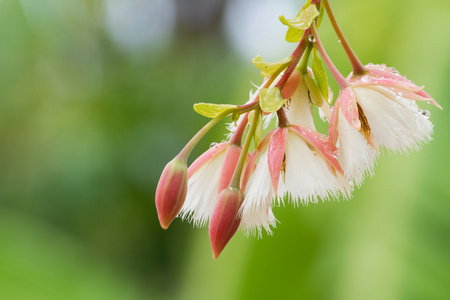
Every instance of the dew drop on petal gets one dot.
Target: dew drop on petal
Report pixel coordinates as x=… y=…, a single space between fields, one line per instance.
x=428 y=102
x=426 y=114
x=399 y=95
x=212 y=145
x=365 y=79
x=336 y=154
x=312 y=38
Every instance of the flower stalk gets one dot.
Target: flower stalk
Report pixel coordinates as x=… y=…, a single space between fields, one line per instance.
x=358 y=67
x=341 y=81
x=229 y=188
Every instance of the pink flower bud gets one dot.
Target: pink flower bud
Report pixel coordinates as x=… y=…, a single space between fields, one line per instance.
x=292 y=84
x=171 y=191
x=228 y=167
x=225 y=219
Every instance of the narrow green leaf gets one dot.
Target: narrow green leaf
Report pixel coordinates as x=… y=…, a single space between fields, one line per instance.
x=301 y=22
x=271 y=99
x=258 y=132
x=268 y=69
x=319 y=74
x=319 y=19
x=212 y=110
x=314 y=91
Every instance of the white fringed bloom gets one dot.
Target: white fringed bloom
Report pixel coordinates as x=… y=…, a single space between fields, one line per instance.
x=302 y=161
x=378 y=110
x=356 y=156
x=256 y=211
x=295 y=162
x=203 y=185
x=309 y=173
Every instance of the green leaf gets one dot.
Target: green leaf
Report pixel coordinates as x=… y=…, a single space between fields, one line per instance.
x=268 y=69
x=319 y=74
x=301 y=22
x=258 y=132
x=271 y=99
x=314 y=91
x=212 y=110
x=319 y=19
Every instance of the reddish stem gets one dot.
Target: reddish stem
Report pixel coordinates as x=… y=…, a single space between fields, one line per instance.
x=341 y=81
x=236 y=138
x=358 y=67
x=296 y=55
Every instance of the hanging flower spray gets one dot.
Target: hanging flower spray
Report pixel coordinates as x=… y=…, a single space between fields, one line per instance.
x=229 y=188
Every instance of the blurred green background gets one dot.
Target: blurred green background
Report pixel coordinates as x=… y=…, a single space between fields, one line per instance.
x=96 y=97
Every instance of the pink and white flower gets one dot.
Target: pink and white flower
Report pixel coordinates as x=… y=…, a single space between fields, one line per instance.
x=294 y=161
x=378 y=110
x=208 y=175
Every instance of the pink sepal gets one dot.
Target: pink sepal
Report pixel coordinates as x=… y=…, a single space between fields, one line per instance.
x=332 y=129
x=386 y=73
x=205 y=157
x=229 y=165
x=323 y=146
x=275 y=155
x=248 y=171
x=367 y=81
x=349 y=107
x=428 y=99
x=417 y=97
x=225 y=219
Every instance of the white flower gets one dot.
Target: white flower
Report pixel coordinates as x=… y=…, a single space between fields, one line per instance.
x=203 y=185
x=378 y=110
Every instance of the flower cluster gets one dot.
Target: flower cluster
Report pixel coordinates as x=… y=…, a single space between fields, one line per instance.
x=228 y=187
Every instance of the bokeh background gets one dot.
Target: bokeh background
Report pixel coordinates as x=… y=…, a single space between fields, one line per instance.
x=96 y=97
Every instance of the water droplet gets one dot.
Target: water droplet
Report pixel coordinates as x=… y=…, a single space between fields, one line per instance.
x=312 y=38
x=212 y=145
x=339 y=40
x=399 y=95
x=336 y=154
x=426 y=114
x=428 y=102
x=394 y=70
x=365 y=79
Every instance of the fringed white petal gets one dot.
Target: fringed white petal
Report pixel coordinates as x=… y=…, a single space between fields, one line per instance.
x=267 y=120
x=231 y=127
x=300 y=109
x=255 y=211
x=356 y=156
x=325 y=112
x=308 y=177
x=396 y=123
x=202 y=192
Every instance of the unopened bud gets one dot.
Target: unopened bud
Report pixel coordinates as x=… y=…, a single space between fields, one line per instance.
x=228 y=166
x=292 y=84
x=225 y=219
x=171 y=191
